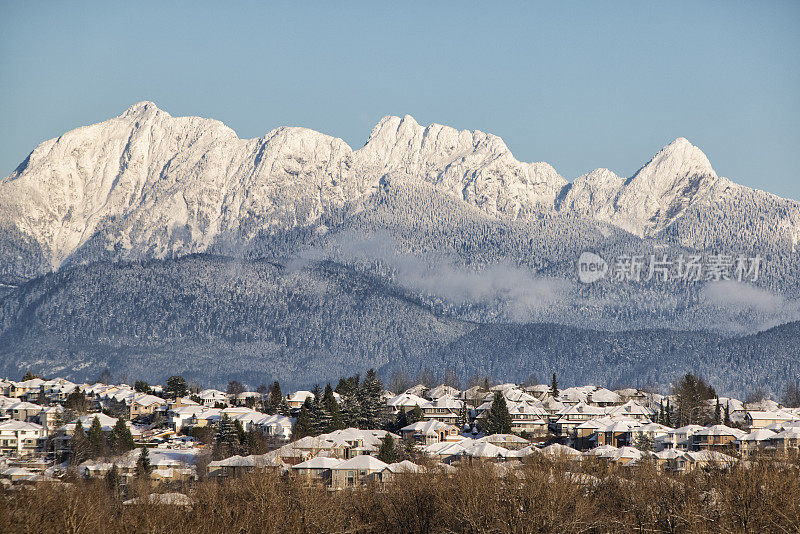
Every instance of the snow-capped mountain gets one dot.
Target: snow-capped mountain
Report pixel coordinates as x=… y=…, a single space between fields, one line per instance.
x=427 y=246
x=149 y=185
x=676 y=178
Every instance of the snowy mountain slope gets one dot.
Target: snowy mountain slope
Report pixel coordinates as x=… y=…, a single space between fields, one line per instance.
x=146 y=184
x=149 y=185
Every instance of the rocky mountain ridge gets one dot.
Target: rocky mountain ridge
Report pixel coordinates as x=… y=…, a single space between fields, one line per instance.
x=149 y=185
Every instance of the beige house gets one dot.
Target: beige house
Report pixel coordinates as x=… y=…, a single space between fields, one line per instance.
x=356 y=471
x=445 y=409
x=717 y=437
x=317 y=468
x=756 y=419
x=427 y=432
x=18 y=438
x=756 y=441
x=144 y=405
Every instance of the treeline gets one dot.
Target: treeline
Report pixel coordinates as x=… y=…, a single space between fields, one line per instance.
x=361 y=405
x=215 y=319
x=539 y=495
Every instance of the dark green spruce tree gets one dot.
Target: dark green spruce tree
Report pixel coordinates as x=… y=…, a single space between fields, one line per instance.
x=499 y=420
x=143 y=465
x=303 y=426
x=388 y=450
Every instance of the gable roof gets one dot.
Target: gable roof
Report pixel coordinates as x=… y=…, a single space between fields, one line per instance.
x=362 y=462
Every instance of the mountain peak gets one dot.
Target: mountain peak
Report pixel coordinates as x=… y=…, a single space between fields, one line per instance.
x=140 y=108
x=678 y=160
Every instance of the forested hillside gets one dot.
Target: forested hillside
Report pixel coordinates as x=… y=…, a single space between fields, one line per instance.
x=213 y=319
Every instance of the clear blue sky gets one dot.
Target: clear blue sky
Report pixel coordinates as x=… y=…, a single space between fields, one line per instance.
x=582 y=86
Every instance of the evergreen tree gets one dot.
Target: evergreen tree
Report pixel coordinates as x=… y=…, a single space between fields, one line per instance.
x=660 y=413
x=350 y=410
x=499 y=420
x=239 y=433
x=388 y=452
x=727 y=421
x=463 y=417
x=78 y=445
x=644 y=443
x=29 y=376
x=97 y=439
x=120 y=440
x=410 y=451
x=319 y=416
x=176 y=387
x=717 y=413
x=415 y=415
x=554 y=387
x=143 y=466
x=668 y=414
x=275 y=398
x=142 y=387
x=372 y=405
x=693 y=394
x=113 y=479
x=226 y=431
x=76 y=404
x=331 y=407
x=302 y=426
x=401 y=421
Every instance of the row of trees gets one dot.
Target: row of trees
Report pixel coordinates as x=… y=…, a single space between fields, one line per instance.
x=94 y=443
x=361 y=406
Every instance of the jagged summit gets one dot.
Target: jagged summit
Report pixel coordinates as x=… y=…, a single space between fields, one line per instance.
x=141 y=107
x=147 y=184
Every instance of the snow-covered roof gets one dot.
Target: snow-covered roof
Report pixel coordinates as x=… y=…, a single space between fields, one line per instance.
x=789 y=433
x=446 y=401
x=234 y=461
x=761 y=434
x=406 y=399
x=405 y=467
x=720 y=430
x=431 y=427
x=362 y=462
x=20 y=425
x=318 y=462
x=557 y=449
x=604 y=395
x=442 y=390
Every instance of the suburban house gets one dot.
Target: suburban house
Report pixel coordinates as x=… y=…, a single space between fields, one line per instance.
x=760 y=419
x=232 y=466
x=572 y=416
x=528 y=418
x=143 y=405
x=18 y=438
x=604 y=397
x=317 y=468
x=716 y=437
x=787 y=440
x=427 y=432
x=356 y=471
x=405 y=402
x=445 y=409
x=680 y=438
x=756 y=441
x=213 y=397
x=296 y=399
